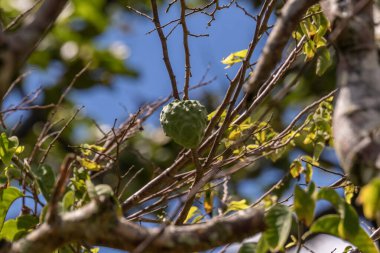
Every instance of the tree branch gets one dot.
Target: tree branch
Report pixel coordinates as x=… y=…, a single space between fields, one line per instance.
x=356 y=120
x=289 y=18
x=26 y=39
x=16 y=47
x=98 y=224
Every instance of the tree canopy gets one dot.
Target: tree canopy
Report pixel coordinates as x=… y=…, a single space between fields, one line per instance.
x=304 y=88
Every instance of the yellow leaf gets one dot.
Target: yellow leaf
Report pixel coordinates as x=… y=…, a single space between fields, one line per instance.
x=233 y=58
x=349 y=191
x=269 y=201
x=88 y=148
x=369 y=197
x=192 y=213
x=296 y=168
x=234 y=135
x=90 y=165
x=237 y=205
x=20 y=149
x=252 y=146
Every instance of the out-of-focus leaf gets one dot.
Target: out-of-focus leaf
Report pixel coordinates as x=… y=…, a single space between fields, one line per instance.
x=296 y=168
x=304 y=205
x=349 y=191
x=249 y=247
x=369 y=197
x=279 y=222
x=329 y=224
x=237 y=205
x=323 y=61
x=208 y=202
x=68 y=200
x=91 y=12
x=308 y=172
x=90 y=165
x=16 y=228
x=45 y=177
x=7 y=197
x=331 y=196
x=262 y=246
x=349 y=223
x=8 y=148
x=318 y=149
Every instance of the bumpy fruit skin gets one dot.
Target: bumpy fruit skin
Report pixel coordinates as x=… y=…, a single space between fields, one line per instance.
x=185 y=122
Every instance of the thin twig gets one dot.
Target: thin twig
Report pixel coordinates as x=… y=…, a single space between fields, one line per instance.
x=156 y=21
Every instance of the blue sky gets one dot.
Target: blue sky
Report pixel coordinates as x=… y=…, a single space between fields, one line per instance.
x=230 y=32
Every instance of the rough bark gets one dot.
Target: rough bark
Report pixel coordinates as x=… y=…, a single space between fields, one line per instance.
x=356 y=118
x=98 y=224
x=15 y=47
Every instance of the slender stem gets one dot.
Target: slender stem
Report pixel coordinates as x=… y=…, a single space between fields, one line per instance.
x=190 y=199
x=156 y=21
x=187 y=51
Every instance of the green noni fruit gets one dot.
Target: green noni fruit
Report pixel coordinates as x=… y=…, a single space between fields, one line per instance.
x=185 y=122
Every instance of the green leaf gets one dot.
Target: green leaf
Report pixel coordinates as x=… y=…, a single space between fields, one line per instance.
x=310 y=27
x=262 y=245
x=235 y=57
x=324 y=25
x=318 y=149
x=16 y=228
x=297 y=35
x=91 y=13
x=249 y=247
x=8 y=147
x=304 y=205
x=323 y=61
x=43 y=213
x=331 y=196
x=278 y=221
x=309 y=49
x=348 y=249
x=45 y=177
x=12 y=172
x=308 y=172
x=296 y=168
x=349 y=224
x=326 y=224
x=68 y=200
x=329 y=224
x=7 y=197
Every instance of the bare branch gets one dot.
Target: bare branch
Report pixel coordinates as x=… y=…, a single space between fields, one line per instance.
x=156 y=21
x=186 y=49
x=26 y=39
x=291 y=14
